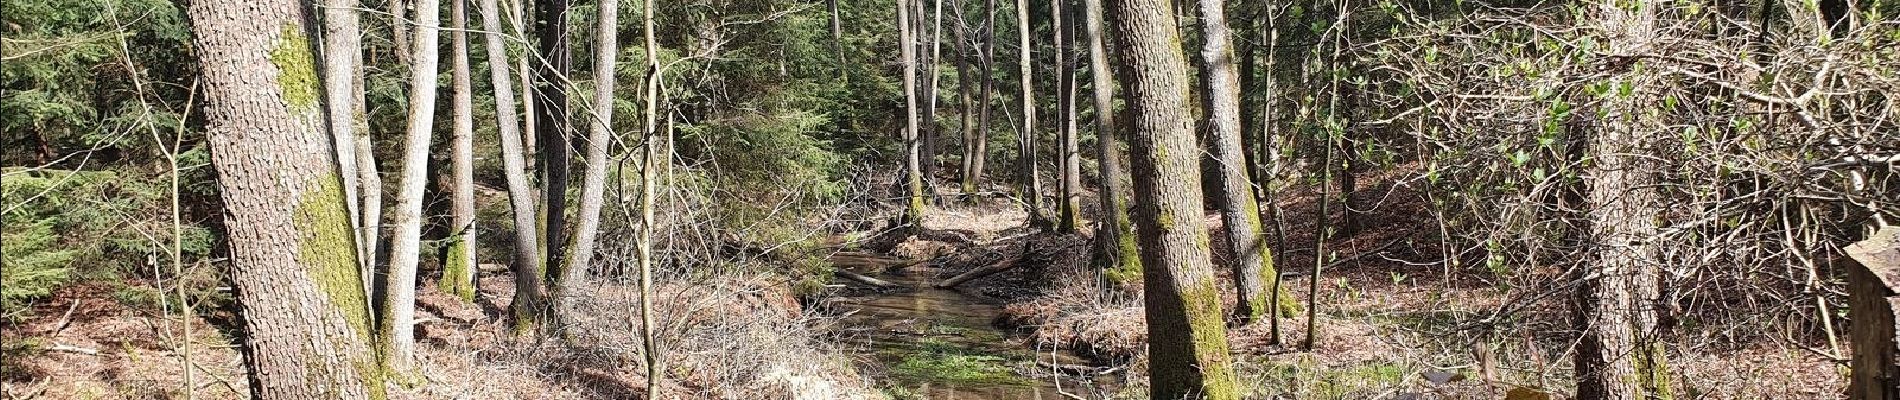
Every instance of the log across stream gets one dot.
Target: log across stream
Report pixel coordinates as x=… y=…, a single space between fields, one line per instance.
x=940 y=343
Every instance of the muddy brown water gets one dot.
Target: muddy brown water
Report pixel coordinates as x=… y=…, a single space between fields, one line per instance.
x=930 y=343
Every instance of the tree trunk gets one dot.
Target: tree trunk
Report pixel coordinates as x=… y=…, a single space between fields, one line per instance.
x=599 y=140
x=1026 y=137
x=1872 y=304
x=405 y=248
x=398 y=28
x=960 y=50
x=527 y=256
x=293 y=257
x=985 y=60
x=913 y=176
x=1115 y=237
x=342 y=50
x=1187 y=335
x=342 y=57
x=1246 y=245
x=458 y=275
x=1069 y=213
x=648 y=164
x=932 y=132
x=552 y=126
x=1619 y=356
x=837 y=33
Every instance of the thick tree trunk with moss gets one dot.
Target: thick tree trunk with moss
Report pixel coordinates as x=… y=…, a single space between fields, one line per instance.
x=1620 y=356
x=913 y=176
x=1069 y=212
x=599 y=140
x=1187 y=340
x=293 y=254
x=1247 y=248
x=405 y=245
x=1115 y=234
x=527 y=256
x=458 y=274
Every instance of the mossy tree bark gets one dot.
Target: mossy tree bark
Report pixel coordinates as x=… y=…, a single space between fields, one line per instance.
x=1116 y=251
x=1253 y=269
x=599 y=140
x=527 y=256
x=405 y=246
x=913 y=176
x=458 y=274
x=342 y=51
x=1069 y=211
x=1187 y=341
x=293 y=254
x=1620 y=356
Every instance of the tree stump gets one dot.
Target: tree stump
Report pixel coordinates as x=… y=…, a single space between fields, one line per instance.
x=1872 y=302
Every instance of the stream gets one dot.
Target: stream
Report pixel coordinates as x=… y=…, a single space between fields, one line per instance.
x=934 y=343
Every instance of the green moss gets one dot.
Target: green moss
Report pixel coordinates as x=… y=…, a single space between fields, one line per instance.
x=1207 y=327
x=327 y=251
x=296 y=68
x=1652 y=372
x=940 y=361
x=456 y=269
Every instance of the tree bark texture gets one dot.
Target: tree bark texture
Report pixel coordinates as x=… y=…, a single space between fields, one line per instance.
x=913 y=176
x=1118 y=253
x=1246 y=244
x=527 y=272
x=1069 y=212
x=342 y=54
x=599 y=140
x=553 y=127
x=293 y=255
x=1030 y=182
x=458 y=274
x=986 y=60
x=1188 y=354
x=405 y=247
x=1620 y=356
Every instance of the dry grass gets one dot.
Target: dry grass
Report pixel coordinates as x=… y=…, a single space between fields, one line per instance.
x=723 y=338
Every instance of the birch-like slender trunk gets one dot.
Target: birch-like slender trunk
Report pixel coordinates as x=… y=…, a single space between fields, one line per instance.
x=342 y=49
x=599 y=140
x=1069 y=211
x=1117 y=251
x=913 y=175
x=527 y=255
x=1026 y=137
x=973 y=175
x=405 y=248
x=1246 y=243
x=458 y=274
x=648 y=167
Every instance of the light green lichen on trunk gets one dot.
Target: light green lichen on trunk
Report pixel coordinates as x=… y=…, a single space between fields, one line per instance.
x=327 y=252
x=1652 y=372
x=455 y=270
x=296 y=69
x=1128 y=254
x=1208 y=326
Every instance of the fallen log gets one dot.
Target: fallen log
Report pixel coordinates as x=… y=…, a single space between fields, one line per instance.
x=847 y=274
x=986 y=270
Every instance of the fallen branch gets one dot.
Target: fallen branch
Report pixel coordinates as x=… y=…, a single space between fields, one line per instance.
x=986 y=270
x=847 y=274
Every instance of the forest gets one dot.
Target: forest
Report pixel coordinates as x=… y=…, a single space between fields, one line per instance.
x=950 y=199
